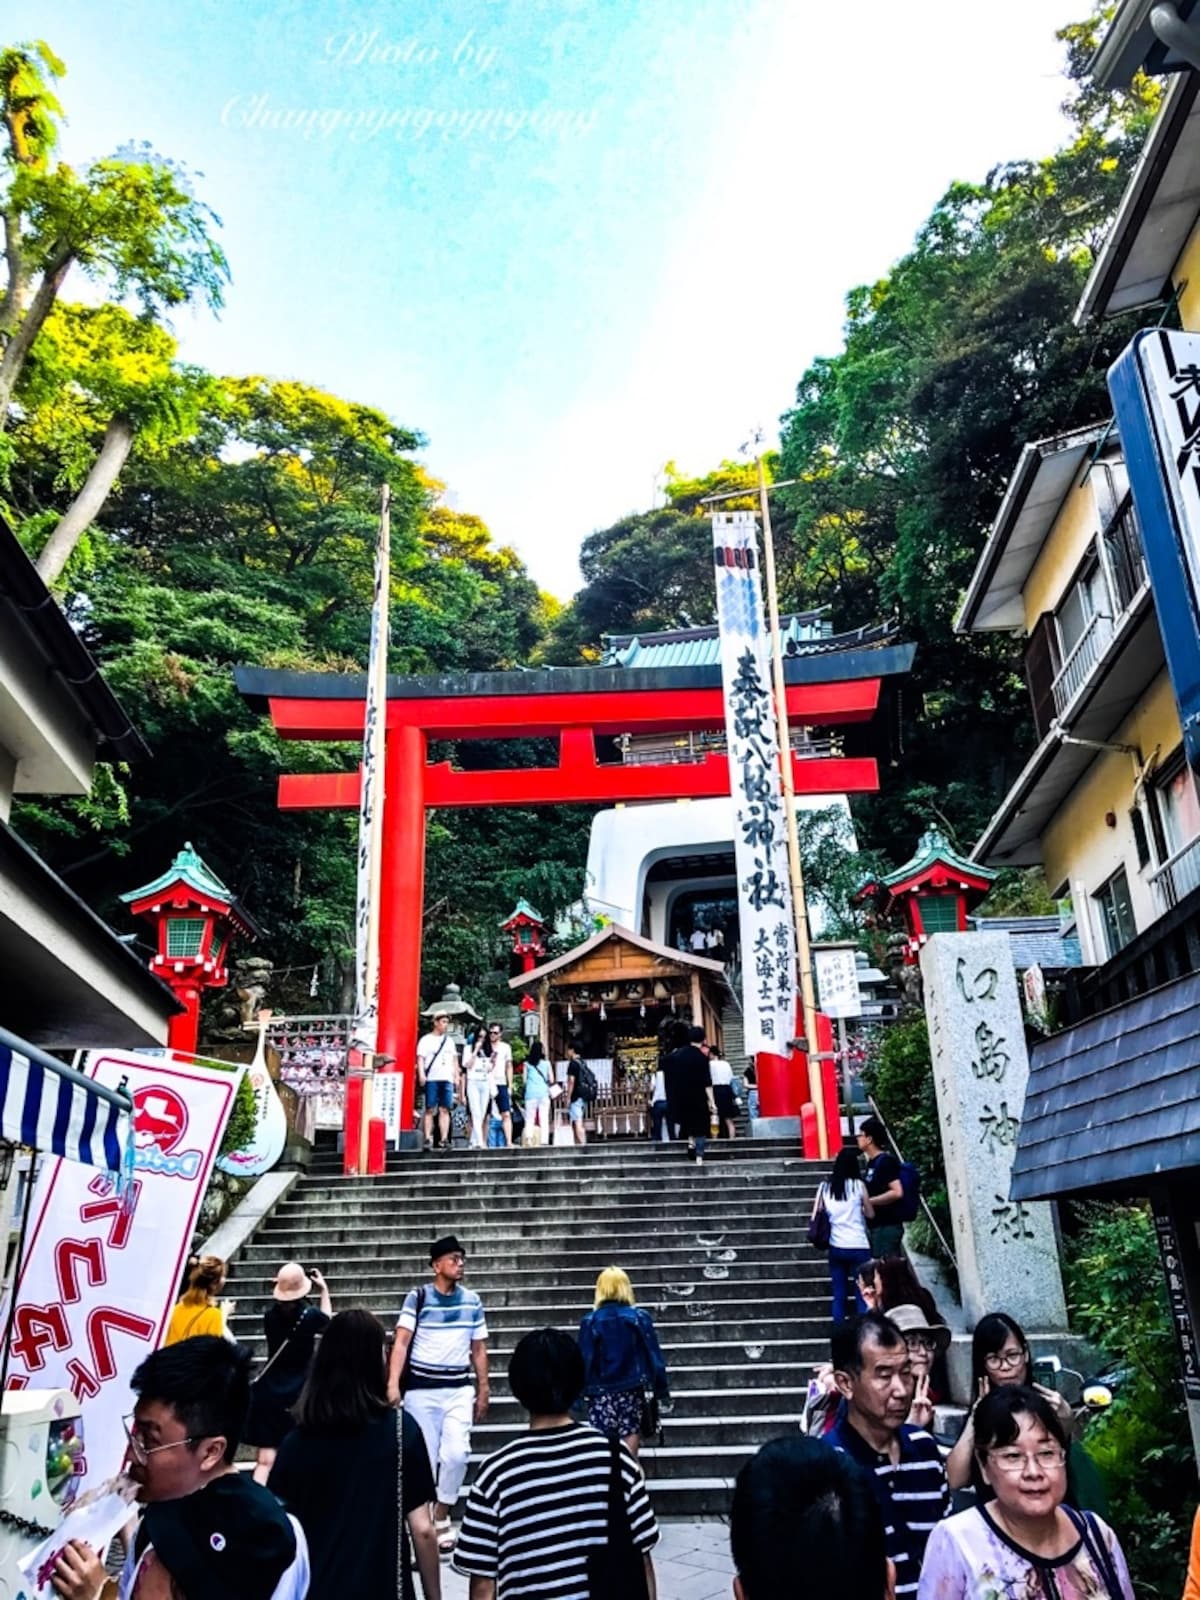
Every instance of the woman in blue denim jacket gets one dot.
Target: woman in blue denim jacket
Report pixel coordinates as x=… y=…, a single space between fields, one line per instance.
x=621 y=1359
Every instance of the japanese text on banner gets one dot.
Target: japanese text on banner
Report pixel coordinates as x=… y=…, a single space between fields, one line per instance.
x=760 y=841
x=101 y=1271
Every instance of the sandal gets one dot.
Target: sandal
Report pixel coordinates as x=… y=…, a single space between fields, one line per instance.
x=446 y=1537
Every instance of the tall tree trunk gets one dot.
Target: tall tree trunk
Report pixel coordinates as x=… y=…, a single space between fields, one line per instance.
x=19 y=346
x=82 y=512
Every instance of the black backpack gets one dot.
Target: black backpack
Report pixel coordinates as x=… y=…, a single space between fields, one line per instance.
x=586 y=1087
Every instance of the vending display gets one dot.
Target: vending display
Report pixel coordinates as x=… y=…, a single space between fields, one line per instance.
x=41 y=1451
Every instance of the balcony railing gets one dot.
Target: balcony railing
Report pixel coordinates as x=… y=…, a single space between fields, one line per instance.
x=1123 y=545
x=699 y=746
x=1177 y=876
x=1078 y=666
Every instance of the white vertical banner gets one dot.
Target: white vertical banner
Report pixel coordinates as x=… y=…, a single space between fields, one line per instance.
x=760 y=843
x=101 y=1271
x=371 y=802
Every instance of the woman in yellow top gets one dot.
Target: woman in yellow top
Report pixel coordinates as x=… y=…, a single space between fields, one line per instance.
x=199 y=1311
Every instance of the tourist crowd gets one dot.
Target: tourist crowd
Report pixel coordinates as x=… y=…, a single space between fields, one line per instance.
x=364 y=1456
x=692 y=1095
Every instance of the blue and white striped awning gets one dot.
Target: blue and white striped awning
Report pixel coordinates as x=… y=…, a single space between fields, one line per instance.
x=57 y=1110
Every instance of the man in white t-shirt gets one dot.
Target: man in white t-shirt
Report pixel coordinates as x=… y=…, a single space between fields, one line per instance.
x=502 y=1077
x=437 y=1076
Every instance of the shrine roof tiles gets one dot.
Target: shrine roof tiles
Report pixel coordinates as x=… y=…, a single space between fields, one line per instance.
x=1114 y=1101
x=934 y=850
x=522 y=909
x=804 y=633
x=187 y=868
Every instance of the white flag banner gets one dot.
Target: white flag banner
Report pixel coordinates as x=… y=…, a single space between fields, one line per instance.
x=760 y=842
x=370 y=806
x=101 y=1271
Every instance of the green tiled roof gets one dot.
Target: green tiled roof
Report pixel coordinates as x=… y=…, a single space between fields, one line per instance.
x=522 y=909
x=701 y=647
x=935 y=847
x=190 y=869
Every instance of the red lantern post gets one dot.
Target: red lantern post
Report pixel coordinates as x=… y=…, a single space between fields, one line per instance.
x=194 y=917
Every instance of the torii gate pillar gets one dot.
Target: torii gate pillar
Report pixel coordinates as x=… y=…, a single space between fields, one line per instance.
x=402 y=905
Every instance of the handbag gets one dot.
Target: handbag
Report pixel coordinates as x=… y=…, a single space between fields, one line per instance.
x=820 y=1229
x=616 y=1569
x=291 y=1334
x=650 y=1422
x=401 y=1533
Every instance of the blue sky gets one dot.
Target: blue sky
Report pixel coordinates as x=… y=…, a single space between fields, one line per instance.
x=567 y=240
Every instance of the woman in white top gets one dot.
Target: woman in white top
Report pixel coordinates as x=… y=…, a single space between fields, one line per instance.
x=479 y=1065
x=844 y=1197
x=721 y=1074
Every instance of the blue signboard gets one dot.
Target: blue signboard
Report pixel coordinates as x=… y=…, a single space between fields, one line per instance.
x=1155 y=389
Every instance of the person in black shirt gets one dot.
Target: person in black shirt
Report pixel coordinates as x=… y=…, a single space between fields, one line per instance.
x=882 y=1178
x=690 y=1104
x=336 y=1471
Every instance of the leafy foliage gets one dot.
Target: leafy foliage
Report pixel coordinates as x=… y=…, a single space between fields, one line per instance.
x=1142 y=1443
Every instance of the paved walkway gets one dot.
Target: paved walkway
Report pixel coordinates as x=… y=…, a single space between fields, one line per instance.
x=691 y=1562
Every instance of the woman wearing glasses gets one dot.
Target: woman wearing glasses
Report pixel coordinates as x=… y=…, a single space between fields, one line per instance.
x=1000 y=1354
x=1025 y=1540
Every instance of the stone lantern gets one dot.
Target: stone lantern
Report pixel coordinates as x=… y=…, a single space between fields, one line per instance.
x=458 y=1011
x=194 y=917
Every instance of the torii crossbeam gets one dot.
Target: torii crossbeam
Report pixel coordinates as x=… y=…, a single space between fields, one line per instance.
x=577 y=705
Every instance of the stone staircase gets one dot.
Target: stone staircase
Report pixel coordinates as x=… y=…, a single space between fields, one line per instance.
x=717 y=1254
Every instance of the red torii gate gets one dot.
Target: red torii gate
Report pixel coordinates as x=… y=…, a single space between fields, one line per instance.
x=578 y=705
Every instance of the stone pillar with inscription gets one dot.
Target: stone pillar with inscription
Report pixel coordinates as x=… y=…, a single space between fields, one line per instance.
x=1007 y=1249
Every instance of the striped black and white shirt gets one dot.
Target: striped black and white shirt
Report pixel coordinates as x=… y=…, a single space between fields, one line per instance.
x=912 y=1492
x=444 y=1327
x=539 y=1505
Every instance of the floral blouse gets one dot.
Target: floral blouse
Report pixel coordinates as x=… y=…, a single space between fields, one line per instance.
x=968 y=1558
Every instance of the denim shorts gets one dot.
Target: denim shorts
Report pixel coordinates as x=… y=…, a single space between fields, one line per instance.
x=439 y=1094
x=577 y=1110
x=503 y=1103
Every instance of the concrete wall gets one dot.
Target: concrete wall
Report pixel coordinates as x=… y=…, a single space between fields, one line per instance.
x=1075 y=527
x=1079 y=847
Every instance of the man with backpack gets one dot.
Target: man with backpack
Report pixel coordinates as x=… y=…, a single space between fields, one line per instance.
x=893 y=1199
x=581 y=1091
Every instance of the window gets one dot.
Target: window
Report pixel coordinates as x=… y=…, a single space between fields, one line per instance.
x=1178 y=806
x=939 y=912
x=185 y=935
x=1086 y=598
x=1116 y=912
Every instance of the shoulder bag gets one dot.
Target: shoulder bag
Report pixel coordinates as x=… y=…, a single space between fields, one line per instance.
x=401 y=1527
x=291 y=1334
x=404 y=1378
x=650 y=1423
x=1097 y=1549
x=616 y=1570
x=820 y=1229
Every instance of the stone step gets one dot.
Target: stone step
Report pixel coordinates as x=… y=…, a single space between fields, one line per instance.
x=543 y=1245
x=782 y=1249
x=707 y=1178
x=679 y=1432
x=692 y=1401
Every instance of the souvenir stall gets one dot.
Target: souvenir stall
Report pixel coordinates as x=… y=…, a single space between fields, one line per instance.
x=614 y=997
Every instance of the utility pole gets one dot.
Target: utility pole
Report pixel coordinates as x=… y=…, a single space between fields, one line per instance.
x=808 y=1001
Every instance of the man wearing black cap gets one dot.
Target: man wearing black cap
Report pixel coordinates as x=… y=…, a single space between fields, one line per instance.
x=212 y=1529
x=441 y=1335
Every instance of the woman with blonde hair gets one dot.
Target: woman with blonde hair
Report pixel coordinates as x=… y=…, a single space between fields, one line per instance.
x=624 y=1371
x=199 y=1311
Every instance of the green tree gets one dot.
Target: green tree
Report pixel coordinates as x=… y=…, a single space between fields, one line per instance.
x=131 y=224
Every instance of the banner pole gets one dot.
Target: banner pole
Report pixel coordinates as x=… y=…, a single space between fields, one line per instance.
x=808 y=1003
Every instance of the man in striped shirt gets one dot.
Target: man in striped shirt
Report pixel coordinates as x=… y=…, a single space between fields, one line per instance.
x=539 y=1506
x=440 y=1337
x=872 y=1370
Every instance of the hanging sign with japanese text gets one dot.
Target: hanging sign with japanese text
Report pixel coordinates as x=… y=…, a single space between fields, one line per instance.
x=1155 y=389
x=838 y=994
x=1007 y=1250
x=760 y=843
x=101 y=1271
